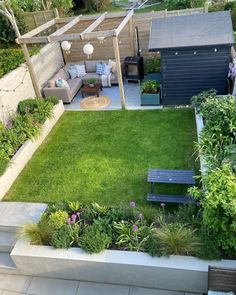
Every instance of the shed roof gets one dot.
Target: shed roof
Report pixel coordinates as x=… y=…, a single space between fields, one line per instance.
x=203 y=29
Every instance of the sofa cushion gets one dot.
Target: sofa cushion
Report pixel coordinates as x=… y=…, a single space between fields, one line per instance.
x=90 y=66
x=51 y=83
x=100 y=68
x=62 y=83
x=62 y=74
x=75 y=85
x=112 y=64
x=72 y=72
x=80 y=70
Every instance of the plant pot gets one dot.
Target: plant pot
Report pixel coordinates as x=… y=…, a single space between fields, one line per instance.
x=150 y=99
x=91 y=85
x=153 y=76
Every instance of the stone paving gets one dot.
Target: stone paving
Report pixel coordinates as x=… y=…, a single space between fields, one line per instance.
x=27 y=285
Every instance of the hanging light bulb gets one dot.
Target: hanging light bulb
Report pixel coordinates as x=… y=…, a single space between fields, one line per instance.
x=66 y=46
x=88 y=49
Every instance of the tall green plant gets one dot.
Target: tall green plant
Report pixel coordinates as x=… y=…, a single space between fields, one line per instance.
x=218 y=199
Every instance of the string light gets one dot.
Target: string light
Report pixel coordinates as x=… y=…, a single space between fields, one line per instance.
x=21 y=83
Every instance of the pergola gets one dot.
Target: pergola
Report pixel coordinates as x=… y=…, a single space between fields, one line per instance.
x=88 y=34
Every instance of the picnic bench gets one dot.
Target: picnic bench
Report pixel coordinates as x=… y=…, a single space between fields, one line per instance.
x=171 y=177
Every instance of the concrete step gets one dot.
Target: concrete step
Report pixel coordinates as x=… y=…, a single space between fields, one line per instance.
x=7 y=241
x=6 y=264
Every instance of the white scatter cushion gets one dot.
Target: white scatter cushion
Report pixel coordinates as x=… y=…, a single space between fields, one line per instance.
x=80 y=70
x=107 y=70
x=62 y=83
x=210 y=292
x=112 y=64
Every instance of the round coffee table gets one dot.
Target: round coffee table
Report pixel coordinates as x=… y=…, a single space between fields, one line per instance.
x=86 y=89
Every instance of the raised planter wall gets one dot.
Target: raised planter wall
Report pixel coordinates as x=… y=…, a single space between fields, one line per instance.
x=24 y=154
x=179 y=273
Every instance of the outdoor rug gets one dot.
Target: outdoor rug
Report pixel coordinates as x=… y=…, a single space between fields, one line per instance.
x=94 y=102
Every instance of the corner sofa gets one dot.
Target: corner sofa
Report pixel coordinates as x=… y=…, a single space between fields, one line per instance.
x=67 y=95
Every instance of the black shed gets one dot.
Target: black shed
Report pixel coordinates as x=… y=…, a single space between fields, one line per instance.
x=195 y=54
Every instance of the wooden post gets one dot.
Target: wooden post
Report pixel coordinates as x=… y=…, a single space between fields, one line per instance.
x=119 y=72
x=131 y=36
x=27 y=58
x=206 y=7
x=166 y=12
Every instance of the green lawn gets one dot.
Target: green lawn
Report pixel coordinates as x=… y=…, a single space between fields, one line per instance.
x=104 y=156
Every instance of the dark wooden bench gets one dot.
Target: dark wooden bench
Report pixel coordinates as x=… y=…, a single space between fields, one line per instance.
x=221 y=279
x=171 y=177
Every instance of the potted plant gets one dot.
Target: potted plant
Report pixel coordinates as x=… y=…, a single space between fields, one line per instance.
x=92 y=82
x=152 y=68
x=150 y=92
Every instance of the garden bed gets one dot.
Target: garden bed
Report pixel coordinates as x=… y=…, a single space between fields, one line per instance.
x=23 y=155
x=177 y=273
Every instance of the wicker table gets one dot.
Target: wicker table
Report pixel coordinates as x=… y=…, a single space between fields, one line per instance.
x=86 y=89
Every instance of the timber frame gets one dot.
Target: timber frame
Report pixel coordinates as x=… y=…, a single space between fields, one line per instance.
x=88 y=34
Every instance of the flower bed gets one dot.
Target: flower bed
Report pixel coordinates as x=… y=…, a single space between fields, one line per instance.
x=22 y=135
x=217 y=149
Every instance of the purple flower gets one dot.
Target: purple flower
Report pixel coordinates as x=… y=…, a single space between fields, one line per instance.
x=135 y=227
x=78 y=213
x=162 y=205
x=68 y=221
x=73 y=217
x=132 y=204
x=140 y=216
x=8 y=124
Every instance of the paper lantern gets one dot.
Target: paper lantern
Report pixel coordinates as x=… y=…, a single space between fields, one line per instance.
x=66 y=46
x=88 y=49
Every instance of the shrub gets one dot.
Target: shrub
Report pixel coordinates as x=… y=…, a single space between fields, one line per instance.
x=40 y=109
x=58 y=219
x=183 y=4
x=66 y=236
x=93 y=240
x=10 y=59
x=38 y=234
x=177 y=239
x=218 y=200
x=152 y=64
x=153 y=246
x=200 y=98
x=132 y=236
x=63 y=6
x=150 y=86
x=52 y=99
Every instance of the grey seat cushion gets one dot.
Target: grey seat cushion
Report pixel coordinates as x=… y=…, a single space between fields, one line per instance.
x=91 y=75
x=75 y=85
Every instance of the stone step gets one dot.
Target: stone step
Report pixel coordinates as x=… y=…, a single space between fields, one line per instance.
x=7 y=241
x=6 y=263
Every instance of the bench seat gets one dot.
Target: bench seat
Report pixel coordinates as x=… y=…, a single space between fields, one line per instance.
x=169 y=198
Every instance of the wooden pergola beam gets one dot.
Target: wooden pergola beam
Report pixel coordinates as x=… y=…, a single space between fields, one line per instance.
x=124 y=22
x=99 y=34
x=95 y=24
x=37 y=31
x=32 y=40
x=65 y=28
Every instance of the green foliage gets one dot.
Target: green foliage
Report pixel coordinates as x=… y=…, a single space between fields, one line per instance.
x=92 y=81
x=52 y=99
x=10 y=59
x=66 y=236
x=152 y=64
x=177 y=239
x=218 y=200
x=40 y=109
x=58 y=219
x=7 y=34
x=93 y=240
x=26 y=5
x=132 y=236
x=183 y=4
x=74 y=205
x=150 y=86
x=63 y=6
x=153 y=246
x=200 y=98
x=38 y=234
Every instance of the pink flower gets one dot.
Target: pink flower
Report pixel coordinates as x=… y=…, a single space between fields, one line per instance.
x=135 y=227
x=68 y=221
x=162 y=205
x=78 y=214
x=73 y=217
x=132 y=204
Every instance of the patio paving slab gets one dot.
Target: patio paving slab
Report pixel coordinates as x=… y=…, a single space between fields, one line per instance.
x=16 y=283
x=15 y=214
x=145 y=291
x=101 y=289
x=11 y=293
x=46 y=286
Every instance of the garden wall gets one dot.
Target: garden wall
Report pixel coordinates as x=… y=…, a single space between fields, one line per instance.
x=26 y=151
x=177 y=273
x=46 y=63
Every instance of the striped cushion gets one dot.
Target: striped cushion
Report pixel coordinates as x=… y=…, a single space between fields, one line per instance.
x=100 y=68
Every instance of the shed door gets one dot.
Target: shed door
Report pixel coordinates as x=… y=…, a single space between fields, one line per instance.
x=187 y=72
